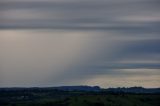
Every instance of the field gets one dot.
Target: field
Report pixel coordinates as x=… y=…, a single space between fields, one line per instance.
x=75 y=98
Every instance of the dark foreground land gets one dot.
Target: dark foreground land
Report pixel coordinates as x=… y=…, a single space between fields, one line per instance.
x=53 y=97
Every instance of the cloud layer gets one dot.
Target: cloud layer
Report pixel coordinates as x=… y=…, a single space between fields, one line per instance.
x=71 y=42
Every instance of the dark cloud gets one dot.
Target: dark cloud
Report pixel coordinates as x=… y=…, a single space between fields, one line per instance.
x=89 y=14
x=77 y=40
x=141 y=53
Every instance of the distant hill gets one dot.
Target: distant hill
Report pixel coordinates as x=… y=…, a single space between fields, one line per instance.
x=79 y=88
x=87 y=89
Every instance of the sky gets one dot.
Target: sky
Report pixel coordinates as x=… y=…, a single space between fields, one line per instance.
x=107 y=43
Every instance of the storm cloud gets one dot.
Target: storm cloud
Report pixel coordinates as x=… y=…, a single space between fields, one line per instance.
x=110 y=43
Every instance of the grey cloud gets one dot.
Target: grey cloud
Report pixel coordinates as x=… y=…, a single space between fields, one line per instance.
x=110 y=64
x=77 y=14
x=53 y=57
x=68 y=40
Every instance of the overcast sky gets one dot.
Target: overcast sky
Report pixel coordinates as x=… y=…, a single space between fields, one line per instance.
x=109 y=43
